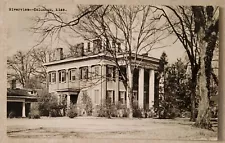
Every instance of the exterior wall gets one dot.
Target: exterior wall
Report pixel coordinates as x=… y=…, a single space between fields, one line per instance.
x=78 y=83
x=100 y=85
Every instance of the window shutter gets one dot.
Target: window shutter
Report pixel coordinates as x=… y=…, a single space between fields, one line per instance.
x=49 y=77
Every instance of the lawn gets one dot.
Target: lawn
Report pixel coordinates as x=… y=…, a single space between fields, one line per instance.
x=103 y=128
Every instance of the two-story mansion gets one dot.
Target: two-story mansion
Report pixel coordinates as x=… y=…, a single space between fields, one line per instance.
x=98 y=77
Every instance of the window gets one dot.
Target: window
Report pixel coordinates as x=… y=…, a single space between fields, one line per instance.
x=97 y=100
x=119 y=47
x=88 y=47
x=113 y=44
x=52 y=77
x=95 y=71
x=122 y=73
x=135 y=95
x=110 y=72
x=122 y=95
x=62 y=76
x=84 y=72
x=110 y=95
x=97 y=45
x=72 y=74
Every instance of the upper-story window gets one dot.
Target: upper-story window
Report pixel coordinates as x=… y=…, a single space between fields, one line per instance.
x=114 y=44
x=62 y=76
x=52 y=77
x=97 y=45
x=119 y=47
x=84 y=72
x=72 y=74
x=88 y=47
x=110 y=72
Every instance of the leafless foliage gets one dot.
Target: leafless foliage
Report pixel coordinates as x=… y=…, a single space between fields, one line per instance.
x=136 y=28
x=27 y=67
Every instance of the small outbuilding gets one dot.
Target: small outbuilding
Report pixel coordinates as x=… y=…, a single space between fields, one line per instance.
x=19 y=101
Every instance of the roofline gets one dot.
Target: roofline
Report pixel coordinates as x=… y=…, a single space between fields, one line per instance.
x=23 y=97
x=73 y=59
x=99 y=55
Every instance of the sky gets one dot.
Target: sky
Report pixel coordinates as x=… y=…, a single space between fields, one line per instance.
x=20 y=38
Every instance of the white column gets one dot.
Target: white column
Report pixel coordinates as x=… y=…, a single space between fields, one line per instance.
x=117 y=86
x=141 y=88
x=58 y=97
x=23 y=110
x=68 y=101
x=57 y=79
x=67 y=78
x=151 y=88
x=129 y=82
x=104 y=83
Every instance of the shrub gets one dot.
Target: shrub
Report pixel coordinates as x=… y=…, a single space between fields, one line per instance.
x=125 y=112
x=150 y=113
x=84 y=105
x=55 y=113
x=137 y=112
x=86 y=100
x=43 y=102
x=101 y=112
x=48 y=105
x=72 y=112
x=167 y=112
x=186 y=114
x=34 y=112
x=54 y=107
x=107 y=109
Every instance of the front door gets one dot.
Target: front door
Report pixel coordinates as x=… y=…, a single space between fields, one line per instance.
x=73 y=98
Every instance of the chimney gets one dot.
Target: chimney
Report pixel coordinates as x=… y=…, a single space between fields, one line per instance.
x=59 y=53
x=48 y=58
x=13 y=84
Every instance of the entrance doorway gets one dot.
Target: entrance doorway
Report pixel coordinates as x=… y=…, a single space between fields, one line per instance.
x=73 y=98
x=14 y=109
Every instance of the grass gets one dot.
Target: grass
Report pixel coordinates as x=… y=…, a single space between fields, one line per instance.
x=103 y=128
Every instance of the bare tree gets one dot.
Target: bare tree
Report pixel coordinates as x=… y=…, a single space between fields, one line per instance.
x=206 y=27
x=21 y=67
x=184 y=23
x=39 y=55
x=137 y=28
x=27 y=67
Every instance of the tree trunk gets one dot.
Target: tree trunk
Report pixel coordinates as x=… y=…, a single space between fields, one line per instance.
x=193 y=95
x=203 y=118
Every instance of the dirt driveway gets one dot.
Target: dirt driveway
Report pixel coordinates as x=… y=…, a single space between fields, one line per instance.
x=102 y=128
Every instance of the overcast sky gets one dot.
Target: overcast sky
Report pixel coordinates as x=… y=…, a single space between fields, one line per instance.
x=19 y=38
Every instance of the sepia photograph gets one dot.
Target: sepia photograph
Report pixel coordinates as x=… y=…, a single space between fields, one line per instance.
x=84 y=71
